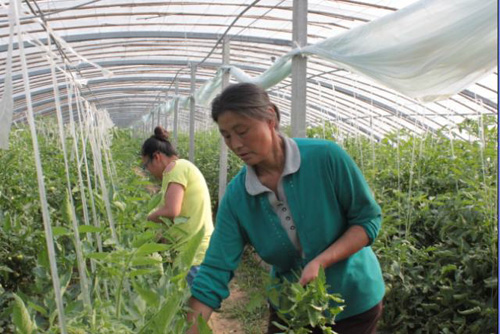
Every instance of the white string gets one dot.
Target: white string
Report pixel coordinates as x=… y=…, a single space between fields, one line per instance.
x=16 y=5
x=78 y=246
x=7 y=104
x=100 y=175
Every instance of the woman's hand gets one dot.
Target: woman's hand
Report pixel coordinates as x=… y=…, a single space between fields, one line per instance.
x=354 y=239
x=197 y=309
x=154 y=217
x=310 y=272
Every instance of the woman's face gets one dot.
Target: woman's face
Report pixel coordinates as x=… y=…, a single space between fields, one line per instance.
x=152 y=165
x=249 y=138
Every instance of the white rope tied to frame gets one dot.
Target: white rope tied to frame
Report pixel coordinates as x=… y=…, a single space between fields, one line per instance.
x=39 y=171
x=107 y=73
x=7 y=104
x=78 y=245
x=100 y=176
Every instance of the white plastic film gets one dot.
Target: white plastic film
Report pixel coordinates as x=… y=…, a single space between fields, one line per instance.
x=7 y=104
x=427 y=51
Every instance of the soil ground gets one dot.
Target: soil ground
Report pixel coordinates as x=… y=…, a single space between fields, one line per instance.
x=224 y=321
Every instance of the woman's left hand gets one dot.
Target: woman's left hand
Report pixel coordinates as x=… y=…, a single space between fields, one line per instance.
x=310 y=272
x=153 y=217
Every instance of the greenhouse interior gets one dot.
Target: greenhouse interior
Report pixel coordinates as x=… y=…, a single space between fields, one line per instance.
x=408 y=89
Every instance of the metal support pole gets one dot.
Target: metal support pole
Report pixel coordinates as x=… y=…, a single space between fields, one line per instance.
x=176 y=112
x=165 y=109
x=158 y=116
x=223 y=148
x=299 y=70
x=192 y=109
x=152 y=113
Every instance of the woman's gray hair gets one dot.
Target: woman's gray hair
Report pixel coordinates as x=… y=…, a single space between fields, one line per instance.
x=245 y=99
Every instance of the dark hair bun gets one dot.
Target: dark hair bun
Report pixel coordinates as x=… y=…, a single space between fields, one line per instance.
x=161 y=133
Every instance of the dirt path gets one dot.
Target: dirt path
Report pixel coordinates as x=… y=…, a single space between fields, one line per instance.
x=221 y=322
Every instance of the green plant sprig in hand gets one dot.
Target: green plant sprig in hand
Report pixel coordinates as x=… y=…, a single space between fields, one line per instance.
x=301 y=306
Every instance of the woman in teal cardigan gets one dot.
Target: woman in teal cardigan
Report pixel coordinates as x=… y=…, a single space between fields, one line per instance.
x=302 y=203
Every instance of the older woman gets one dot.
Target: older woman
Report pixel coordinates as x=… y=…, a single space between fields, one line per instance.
x=302 y=203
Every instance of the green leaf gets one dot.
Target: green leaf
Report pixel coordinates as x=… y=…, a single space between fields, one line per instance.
x=21 y=317
x=180 y=220
x=109 y=242
x=491 y=282
x=5 y=268
x=448 y=268
x=90 y=229
x=97 y=256
x=154 y=202
x=166 y=221
x=280 y=326
x=65 y=281
x=59 y=230
x=150 y=297
x=162 y=319
x=473 y=310
x=203 y=327
x=139 y=272
x=120 y=205
x=143 y=238
x=189 y=250
x=150 y=248
x=38 y=308
x=143 y=261
x=153 y=225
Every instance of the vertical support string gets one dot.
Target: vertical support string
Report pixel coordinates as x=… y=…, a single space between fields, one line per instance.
x=39 y=170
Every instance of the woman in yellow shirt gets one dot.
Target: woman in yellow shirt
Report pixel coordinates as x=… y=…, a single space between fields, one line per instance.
x=185 y=189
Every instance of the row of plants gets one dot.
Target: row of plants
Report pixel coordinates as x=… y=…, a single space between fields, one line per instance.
x=136 y=284
x=437 y=246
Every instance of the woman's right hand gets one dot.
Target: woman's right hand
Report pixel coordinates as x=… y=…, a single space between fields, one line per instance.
x=197 y=309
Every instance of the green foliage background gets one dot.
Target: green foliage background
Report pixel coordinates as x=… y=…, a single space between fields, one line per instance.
x=437 y=246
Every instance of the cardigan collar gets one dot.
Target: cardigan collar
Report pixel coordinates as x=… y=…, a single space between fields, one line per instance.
x=292 y=164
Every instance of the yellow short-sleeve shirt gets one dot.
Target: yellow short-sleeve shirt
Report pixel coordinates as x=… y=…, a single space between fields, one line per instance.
x=196 y=204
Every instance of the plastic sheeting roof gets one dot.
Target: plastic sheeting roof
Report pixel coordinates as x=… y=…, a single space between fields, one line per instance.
x=143 y=45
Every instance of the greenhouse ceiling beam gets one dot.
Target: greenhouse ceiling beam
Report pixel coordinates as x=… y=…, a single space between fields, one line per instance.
x=115 y=116
x=364 y=99
x=148 y=97
x=132 y=80
x=474 y=96
x=152 y=62
x=95 y=99
x=141 y=101
x=110 y=107
x=286 y=114
x=134 y=62
x=154 y=34
x=94 y=93
x=375 y=103
x=91 y=82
